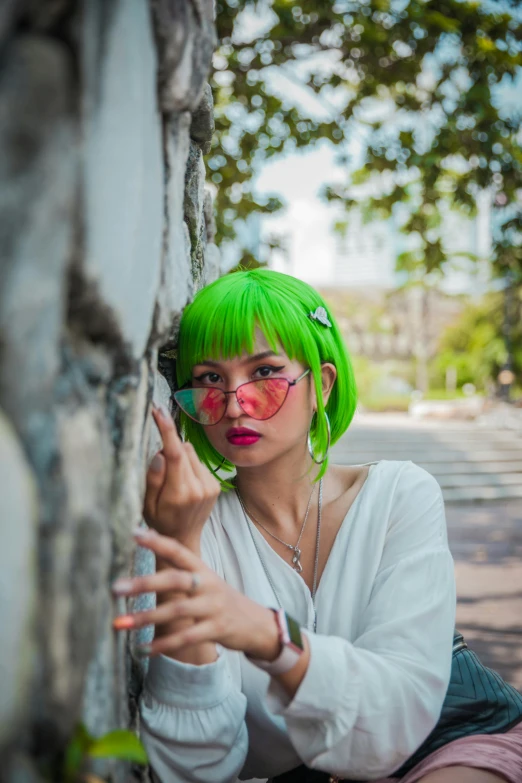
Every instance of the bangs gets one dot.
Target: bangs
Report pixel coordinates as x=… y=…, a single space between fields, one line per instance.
x=222 y=324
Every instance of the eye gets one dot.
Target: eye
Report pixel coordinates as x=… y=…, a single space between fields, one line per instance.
x=208 y=378
x=266 y=370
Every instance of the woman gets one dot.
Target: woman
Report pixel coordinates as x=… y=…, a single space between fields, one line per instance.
x=305 y=613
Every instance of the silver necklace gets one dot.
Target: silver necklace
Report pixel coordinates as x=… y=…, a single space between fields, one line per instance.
x=296 y=558
x=316 y=561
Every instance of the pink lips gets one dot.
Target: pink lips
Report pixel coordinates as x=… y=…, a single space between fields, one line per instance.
x=242 y=436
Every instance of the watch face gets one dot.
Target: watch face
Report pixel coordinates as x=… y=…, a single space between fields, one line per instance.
x=294 y=632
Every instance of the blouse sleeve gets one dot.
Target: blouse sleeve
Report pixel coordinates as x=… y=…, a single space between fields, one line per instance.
x=363 y=708
x=193 y=717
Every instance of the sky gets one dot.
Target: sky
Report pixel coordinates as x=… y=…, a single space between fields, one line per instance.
x=306 y=222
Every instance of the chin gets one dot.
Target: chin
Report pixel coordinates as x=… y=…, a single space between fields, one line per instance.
x=252 y=460
x=246 y=461
x=244 y=456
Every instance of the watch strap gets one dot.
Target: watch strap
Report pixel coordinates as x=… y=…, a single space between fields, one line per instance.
x=291 y=648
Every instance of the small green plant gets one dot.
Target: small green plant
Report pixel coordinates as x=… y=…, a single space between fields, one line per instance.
x=118 y=744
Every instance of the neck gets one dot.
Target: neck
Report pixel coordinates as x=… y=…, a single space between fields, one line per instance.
x=278 y=492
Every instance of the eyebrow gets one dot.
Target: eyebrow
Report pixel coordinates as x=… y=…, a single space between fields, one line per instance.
x=257 y=357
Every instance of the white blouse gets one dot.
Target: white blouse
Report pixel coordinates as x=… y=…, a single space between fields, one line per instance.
x=380 y=660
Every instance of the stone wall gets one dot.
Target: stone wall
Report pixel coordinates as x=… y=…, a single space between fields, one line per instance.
x=105 y=234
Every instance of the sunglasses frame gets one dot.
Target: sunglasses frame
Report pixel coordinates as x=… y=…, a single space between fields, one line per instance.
x=235 y=391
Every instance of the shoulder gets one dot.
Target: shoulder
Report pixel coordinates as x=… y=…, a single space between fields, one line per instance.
x=405 y=502
x=413 y=483
x=403 y=478
x=391 y=480
x=416 y=508
x=408 y=487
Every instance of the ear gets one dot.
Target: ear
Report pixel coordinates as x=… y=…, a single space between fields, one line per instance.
x=328 y=377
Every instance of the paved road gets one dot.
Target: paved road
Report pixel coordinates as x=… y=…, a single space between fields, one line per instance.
x=470 y=462
x=480 y=471
x=486 y=542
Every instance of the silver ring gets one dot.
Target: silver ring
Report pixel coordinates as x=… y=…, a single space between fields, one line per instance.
x=196 y=582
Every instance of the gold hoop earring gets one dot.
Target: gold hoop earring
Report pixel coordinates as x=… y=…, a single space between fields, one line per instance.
x=311 y=448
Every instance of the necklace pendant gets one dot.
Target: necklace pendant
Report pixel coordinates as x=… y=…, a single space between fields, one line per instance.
x=296 y=560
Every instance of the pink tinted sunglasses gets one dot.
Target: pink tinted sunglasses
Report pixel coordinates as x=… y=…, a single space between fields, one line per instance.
x=260 y=399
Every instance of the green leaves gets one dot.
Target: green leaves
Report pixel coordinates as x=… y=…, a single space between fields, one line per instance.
x=118 y=744
x=474 y=344
x=75 y=753
x=436 y=65
x=444 y=23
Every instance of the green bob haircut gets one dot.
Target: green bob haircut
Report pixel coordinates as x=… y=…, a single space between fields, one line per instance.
x=221 y=322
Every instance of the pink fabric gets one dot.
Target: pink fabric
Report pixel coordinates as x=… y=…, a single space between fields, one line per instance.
x=500 y=754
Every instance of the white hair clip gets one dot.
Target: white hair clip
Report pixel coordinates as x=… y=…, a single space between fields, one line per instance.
x=320 y=315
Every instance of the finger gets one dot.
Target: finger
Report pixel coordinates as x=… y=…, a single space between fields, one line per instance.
x=212 y=483
x=193 y=458
x=194 y=608
x=205 y=631
x=155 y=478
x=205 y=484
x=172 y=445
x=169 y=550
x=200 y=470
x=181 y=489
x=180 y=483
x=169 y=579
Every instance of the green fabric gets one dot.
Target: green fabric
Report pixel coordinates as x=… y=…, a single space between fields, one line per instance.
x=477 y=701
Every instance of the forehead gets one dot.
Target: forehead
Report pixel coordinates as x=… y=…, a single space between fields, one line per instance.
x=260 y=346
x=261 y=343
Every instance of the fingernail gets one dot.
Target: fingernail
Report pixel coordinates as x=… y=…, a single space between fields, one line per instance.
x=143 y=532
x=164 y=412
x=122 y=586
x=143 y=650
x=123 y=623
x=157 y=463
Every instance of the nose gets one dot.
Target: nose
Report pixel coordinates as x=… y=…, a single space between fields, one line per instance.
x=233 y=409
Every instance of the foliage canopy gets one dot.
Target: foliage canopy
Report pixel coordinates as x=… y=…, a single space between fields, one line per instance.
x=475 y=344
x=417 y=81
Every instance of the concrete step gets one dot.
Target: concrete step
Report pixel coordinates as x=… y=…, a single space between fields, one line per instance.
x=438 y=468
x=397 y=436
x=470 y=463
x=427 y=455
x=455 y=466
x=471 y=494
x=479 y=480
x=365 y=444
x=432 y=452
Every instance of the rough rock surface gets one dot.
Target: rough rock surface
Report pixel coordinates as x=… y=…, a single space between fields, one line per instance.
x=106 y=232
x=185 y=34
x=17 y=578
x=203 y=126
x=123 y=136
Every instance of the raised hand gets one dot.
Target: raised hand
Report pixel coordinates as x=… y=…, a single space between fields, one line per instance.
x=205 y=608
x=180 y=491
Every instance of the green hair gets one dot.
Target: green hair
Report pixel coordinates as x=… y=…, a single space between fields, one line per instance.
x=220 y=324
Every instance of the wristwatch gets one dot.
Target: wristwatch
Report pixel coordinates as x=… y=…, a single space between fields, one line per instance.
x=292 y=646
